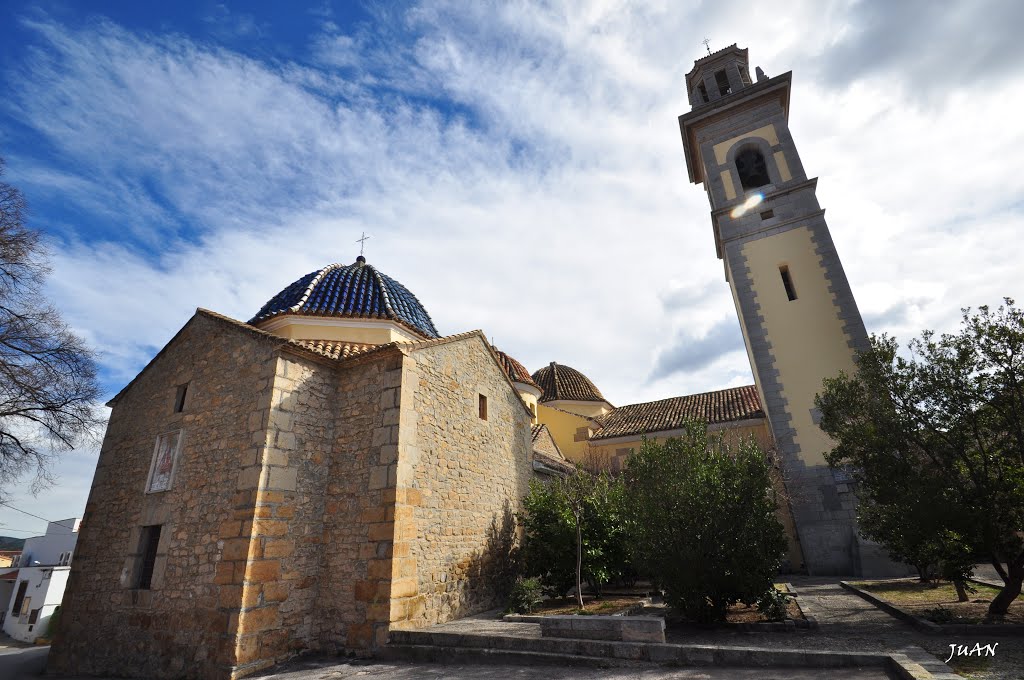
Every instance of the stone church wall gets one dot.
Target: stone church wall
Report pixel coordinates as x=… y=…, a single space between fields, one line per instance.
x=179 y=627
x=463 y=478
x=278 y=582
x=354 y=588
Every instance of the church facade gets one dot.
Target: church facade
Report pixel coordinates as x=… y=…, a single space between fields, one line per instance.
x=334 y=469
x=260 y=494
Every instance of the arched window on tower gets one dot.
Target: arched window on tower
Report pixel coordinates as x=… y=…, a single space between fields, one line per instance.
x=752 y=169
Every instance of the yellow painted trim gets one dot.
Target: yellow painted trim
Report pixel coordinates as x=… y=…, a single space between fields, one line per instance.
x=730 y=190
x=766 y=133
x=780 y=161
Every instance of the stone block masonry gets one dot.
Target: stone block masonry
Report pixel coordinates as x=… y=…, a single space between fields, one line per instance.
x=315 y=504
x=462 y=477
x=179 y=627
x=621 y=628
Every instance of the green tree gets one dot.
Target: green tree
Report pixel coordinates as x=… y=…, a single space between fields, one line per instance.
x=948 y=420
x=48 y=382
x=575 y=530
x=918 y=532
x=549 y=539
x=706 y=523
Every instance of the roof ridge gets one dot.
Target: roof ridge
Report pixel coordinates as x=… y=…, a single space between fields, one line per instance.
x=418 y=344
x=312 y=284
x=200 y=311
x=389 y=310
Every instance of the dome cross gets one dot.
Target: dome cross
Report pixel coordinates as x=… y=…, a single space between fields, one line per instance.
x=362 y=242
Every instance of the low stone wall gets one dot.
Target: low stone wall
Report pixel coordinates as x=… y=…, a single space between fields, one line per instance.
x=618 y=628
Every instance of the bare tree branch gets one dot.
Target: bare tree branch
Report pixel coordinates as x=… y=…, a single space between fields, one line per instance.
x=48 y=386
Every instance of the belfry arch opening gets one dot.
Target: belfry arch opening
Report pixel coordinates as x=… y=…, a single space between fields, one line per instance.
x=751 y=168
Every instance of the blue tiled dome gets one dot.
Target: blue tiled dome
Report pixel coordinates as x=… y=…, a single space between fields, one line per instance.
x=354 y=290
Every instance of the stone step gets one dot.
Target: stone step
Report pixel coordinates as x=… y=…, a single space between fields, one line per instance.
x=480 y=655
x=659 y=653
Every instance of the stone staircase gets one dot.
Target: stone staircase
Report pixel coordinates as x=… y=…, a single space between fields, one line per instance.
x=465 y=647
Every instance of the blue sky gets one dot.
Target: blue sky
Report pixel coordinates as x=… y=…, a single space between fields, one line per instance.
x=517 y=165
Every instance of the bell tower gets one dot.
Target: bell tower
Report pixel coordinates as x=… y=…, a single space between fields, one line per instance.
x=799 y=319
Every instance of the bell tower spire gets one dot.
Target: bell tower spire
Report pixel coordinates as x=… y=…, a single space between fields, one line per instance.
x=799 y=319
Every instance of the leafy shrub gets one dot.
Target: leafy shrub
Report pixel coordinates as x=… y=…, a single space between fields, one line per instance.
x=772 y=605
x=939 y=615
x=549 y=533
x=706 y=523
x=525 y=596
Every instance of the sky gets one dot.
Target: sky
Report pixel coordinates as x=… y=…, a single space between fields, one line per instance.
x=517 y=165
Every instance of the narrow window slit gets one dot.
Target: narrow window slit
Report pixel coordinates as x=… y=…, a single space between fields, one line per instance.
x=483 y=407
x=150 y=541
x=787 y=281
x=179 y=398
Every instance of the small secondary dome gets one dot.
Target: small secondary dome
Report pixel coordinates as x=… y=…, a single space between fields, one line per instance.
x=356 y=290
x=561 y=382
x=515 y=370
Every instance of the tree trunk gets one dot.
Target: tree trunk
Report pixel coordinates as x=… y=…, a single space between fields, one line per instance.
x=579 y=564
x=1011 y=589
x=961 y=590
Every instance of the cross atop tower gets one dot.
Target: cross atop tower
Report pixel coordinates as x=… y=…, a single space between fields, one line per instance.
x=362 y=242
x=707 y=45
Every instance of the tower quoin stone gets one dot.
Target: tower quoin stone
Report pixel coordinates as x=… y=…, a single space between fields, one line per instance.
x=799 y=319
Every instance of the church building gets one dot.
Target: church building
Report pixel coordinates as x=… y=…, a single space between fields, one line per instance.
x=334 y=468
x=329 y=471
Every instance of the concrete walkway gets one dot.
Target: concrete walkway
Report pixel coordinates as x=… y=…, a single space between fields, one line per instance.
x=847 y=623
x=851 y=624
x=412 y=671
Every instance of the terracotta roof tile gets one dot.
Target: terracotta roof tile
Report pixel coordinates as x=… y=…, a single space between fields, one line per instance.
x=536 y=430
x=564 y=382
x=723 y=406
x=546 y=452
x=515 y=370
x=335 y=349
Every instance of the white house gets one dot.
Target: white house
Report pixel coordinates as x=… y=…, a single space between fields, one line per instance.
x=40 y=574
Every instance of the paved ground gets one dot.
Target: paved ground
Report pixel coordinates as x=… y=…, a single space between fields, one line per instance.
x=847 y=623
x=402 y=671
x=850 y=623
x=21 y=662
x=28 y=664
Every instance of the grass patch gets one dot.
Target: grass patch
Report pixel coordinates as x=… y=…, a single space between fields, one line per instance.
x=970 y=665
x=937 y=601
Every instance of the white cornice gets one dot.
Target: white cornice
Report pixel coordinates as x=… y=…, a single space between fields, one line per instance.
x=529 y=389
x=337 y=322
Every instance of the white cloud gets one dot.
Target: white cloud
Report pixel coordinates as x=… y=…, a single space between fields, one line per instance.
x=546 y=202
